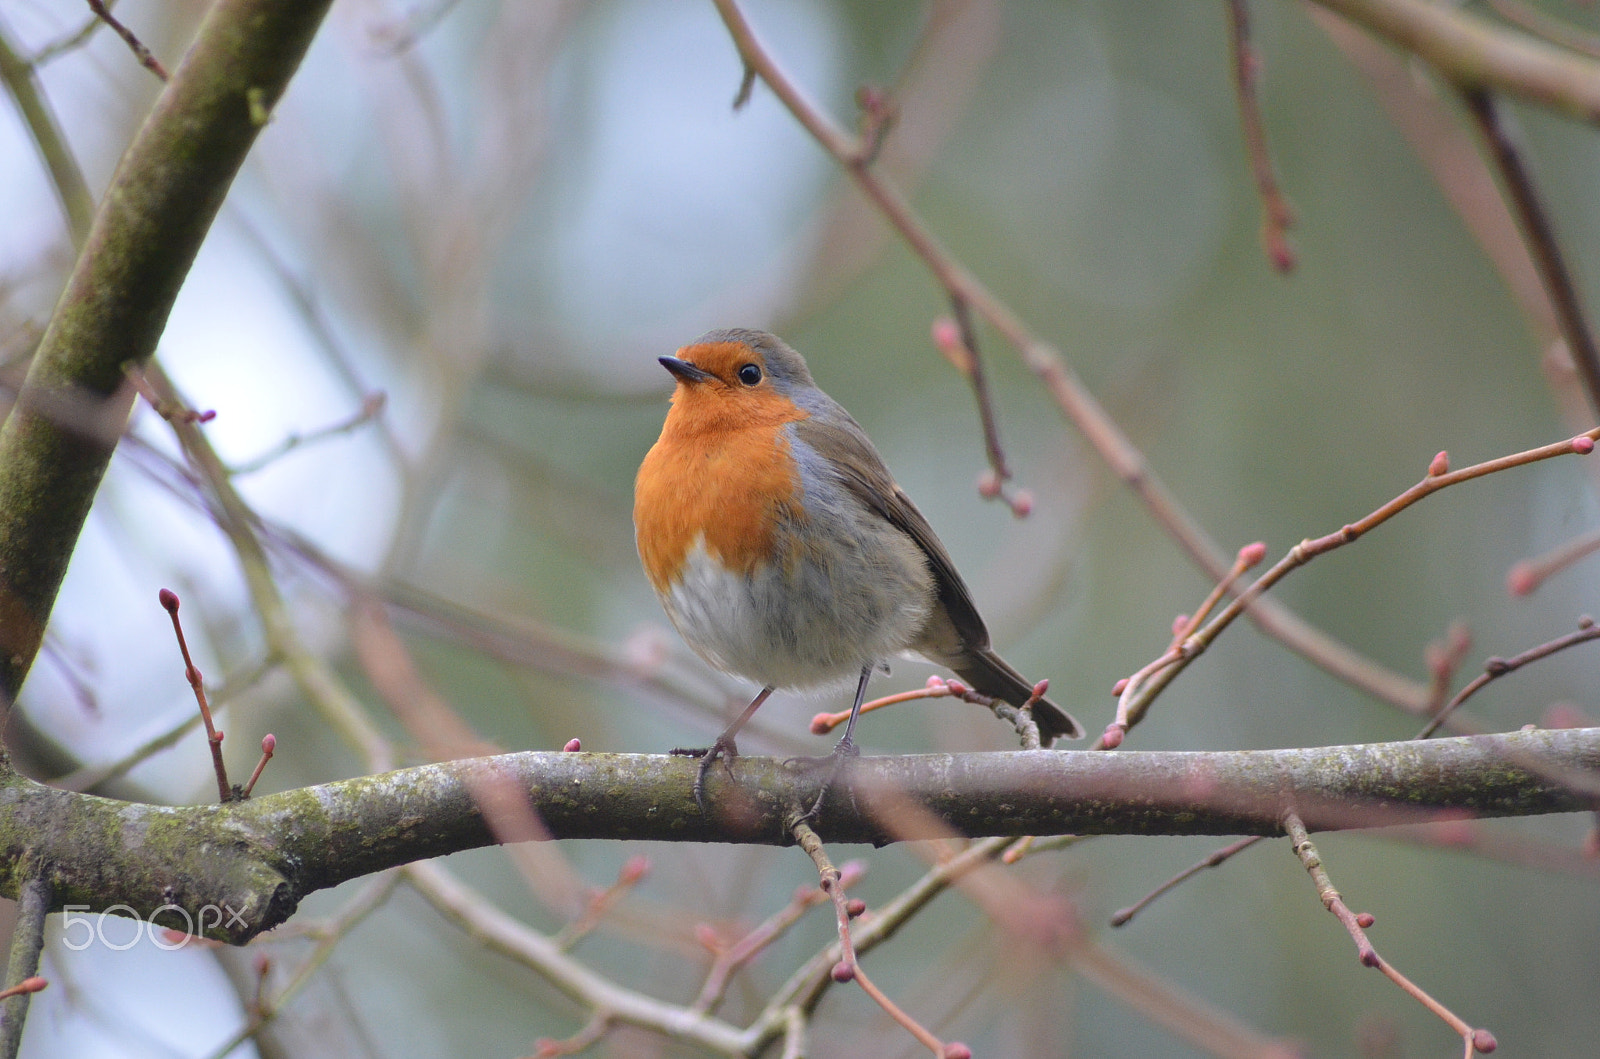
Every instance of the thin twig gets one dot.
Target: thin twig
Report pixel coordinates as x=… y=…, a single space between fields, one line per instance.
x=1186 y=1016
x=66 y=179
x=1525 y=577
x=1131 y=705
x=312 y=673
x=372 y=896
x=1442 y=660
x=937 y=687
x=480 y=918
x=1481 y=1040
x=269 y=745
x=1277 y=217
x=741 y=952
x=1075 y=401
x=848 y=968
x=980 y=388
x=88 y=777
x=68 y=43
x=1213 y=860
x=169 y=600
x=600 y=902
x=146 y=58
x=1439 y=476
x=1495 y=668
x=371 y=408
x=597 y=1027
x=1539 y=233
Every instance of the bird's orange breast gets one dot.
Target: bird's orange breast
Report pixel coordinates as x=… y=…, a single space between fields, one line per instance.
x=722 y=472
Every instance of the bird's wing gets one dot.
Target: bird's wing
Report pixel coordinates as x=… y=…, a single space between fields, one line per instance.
x=859 y=467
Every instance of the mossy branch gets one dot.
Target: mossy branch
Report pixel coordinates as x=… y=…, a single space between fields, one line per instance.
x=235 y=870
x=58 y=439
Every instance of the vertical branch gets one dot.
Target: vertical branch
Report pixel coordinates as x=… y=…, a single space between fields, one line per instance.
x=980 y=388
x=27 y=941
x=161 y=202
x=1539 y=234
x=1276 y=215
x=65 y=176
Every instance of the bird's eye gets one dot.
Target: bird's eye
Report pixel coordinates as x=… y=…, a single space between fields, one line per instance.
x=750 y=374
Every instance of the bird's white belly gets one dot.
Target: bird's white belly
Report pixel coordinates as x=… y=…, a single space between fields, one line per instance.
x=806 y=625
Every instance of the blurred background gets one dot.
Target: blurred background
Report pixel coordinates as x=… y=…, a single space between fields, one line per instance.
x=497 y=216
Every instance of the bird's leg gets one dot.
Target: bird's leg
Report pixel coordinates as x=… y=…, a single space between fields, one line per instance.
x=845 y=747
x=723 y=748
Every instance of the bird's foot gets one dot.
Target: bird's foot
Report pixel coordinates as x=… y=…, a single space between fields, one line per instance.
x=844 y=750
x=723 y=748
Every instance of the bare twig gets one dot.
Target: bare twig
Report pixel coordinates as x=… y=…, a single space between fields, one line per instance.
x=476 y=914
x=1131 y=705
x=1525 y=577
x=1495 y=668
x=89 y=777
x=169 y=601
x=980 y=387
x=1476 y=1039
x=371 y=408
x=597 y=1027
x=269 y=745
x=600 y=902
x=741 y=952
x=1439 y=476
x=146 y=58
x=1540 y=235
x=68 y=42
x=372 y=896
x=65 y=177
x=1186 y=1016
x=1080 y=406
x=1212 y=860
x=848 y=968
x=314 y=676
x=1277 y=217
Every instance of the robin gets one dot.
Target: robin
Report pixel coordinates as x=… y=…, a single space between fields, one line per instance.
x=784 y=552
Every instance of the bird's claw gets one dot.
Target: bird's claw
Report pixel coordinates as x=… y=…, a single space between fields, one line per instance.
x=844 y=750
x=723 y=748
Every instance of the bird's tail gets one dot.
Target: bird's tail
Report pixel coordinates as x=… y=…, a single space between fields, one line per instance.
x=989 y=673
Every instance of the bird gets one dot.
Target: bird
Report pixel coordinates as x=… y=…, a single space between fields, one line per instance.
x=783 y=551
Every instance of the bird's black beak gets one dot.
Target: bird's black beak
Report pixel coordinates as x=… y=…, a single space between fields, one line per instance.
x=683 y=371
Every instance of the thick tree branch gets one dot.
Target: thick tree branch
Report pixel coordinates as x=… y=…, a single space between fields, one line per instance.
x=56 y=443
x=1473 y=52
x=235 y=870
